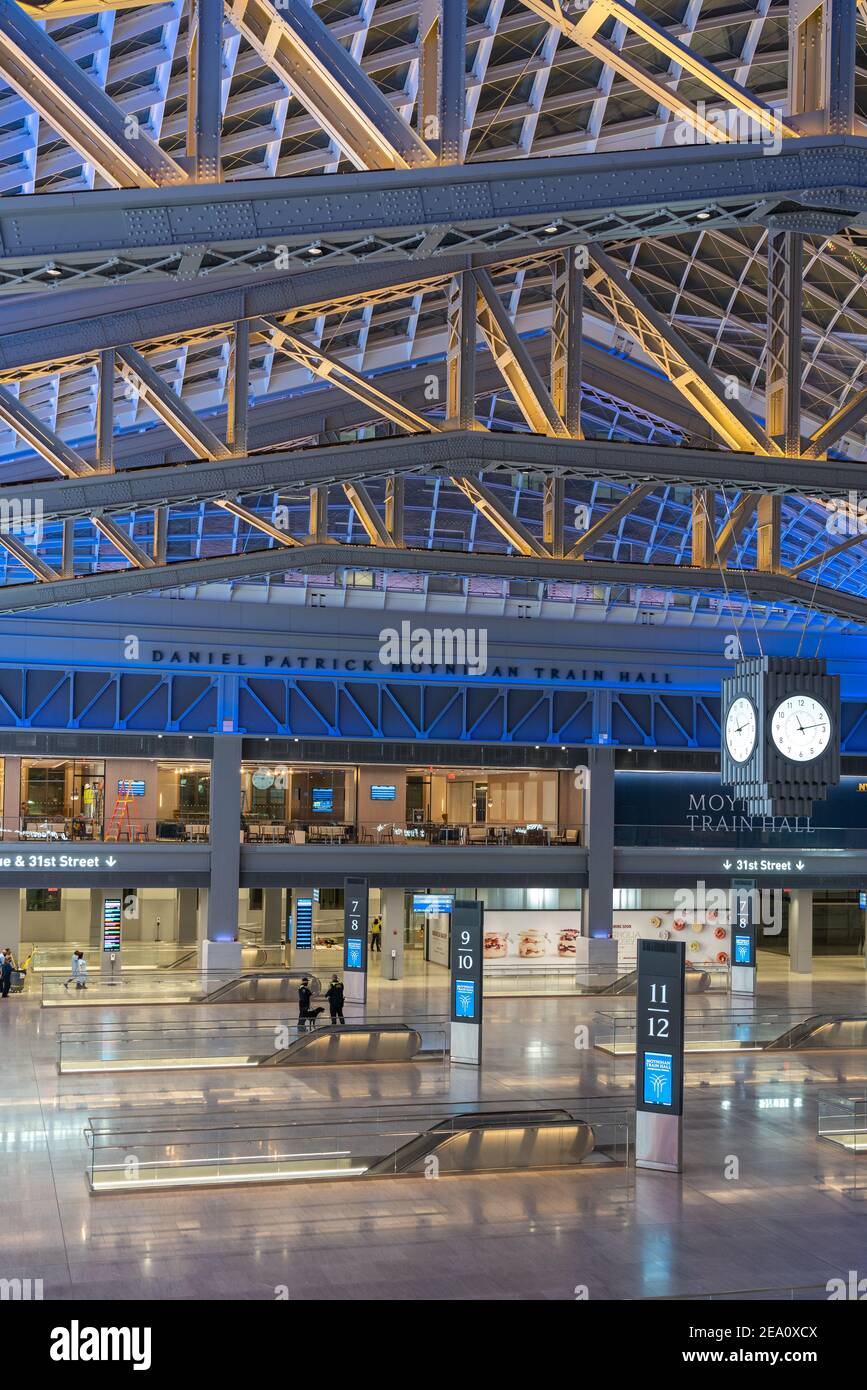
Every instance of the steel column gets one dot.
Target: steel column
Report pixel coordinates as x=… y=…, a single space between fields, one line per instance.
x=783 y=359
x=461 y=353
x=553 y=518
x=105 y=411
x=204 y=99
x=567 y=308
x=703 y=523
x=238 y=389
x=394 y=493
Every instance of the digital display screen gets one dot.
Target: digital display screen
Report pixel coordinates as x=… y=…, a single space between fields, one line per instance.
x=658 y=1078
x=130 y=788
x=431 y=902
x=383 y=793
x=304 y=924
x=353 y=953
x=743 y=953
x=111 y=924
x=465 y=998
x=862 y=899
x=323 y=799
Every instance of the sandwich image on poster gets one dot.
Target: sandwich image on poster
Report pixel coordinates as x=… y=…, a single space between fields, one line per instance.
x=657 y=1078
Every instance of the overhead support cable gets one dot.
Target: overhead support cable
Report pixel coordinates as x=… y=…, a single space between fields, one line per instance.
x=301 y=50
x=85 y=116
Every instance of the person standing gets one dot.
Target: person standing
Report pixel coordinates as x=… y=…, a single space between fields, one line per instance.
x=304 y=997
x=376 y=934
x=334 y=995
x=7 y=965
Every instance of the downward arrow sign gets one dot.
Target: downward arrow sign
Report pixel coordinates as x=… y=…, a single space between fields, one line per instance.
x=111 y=861
x=800 y=864
x=727 y=863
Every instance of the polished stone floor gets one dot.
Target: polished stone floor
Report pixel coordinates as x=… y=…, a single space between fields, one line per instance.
x=788 y=1219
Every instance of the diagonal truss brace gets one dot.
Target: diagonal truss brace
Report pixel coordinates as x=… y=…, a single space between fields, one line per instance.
x=331 y=369
x=301 y=50
x=674 y=357
x=46 y=443
x=490 y=507
x=63 y=94
x=516 y=366
x=365 y=509
x=612 y=518
x=584 y=32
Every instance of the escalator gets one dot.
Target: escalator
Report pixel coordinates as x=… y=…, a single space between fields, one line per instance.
x=623 y=985
x=493 y=1142
x=822 y=1030
x=186 y=961
x=348 y=1043
x=695 y=982
x=261 y=989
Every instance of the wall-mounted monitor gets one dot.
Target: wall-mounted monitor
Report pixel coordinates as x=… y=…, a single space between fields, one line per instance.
x=380 y=793
x=125 y=788
x=323 y=799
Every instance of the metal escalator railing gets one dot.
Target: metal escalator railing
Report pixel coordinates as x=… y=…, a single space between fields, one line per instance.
x=350 y=1044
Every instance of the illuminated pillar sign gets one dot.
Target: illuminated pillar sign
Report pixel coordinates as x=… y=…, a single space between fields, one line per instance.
x=466 y=982
x=659 y=1055
x=111 y=924
x=304 y=924
x=743 y=899
x=355 y=919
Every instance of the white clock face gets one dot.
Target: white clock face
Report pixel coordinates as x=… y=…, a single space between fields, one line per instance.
x=741 y=729
x=801 y=728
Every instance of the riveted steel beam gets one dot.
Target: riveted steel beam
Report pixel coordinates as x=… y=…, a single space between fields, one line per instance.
x=169 y=407
x=449 y=453
x=760 y=587
x=480 y=207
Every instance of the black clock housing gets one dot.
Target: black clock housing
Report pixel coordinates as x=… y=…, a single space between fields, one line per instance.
x=770 y=783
